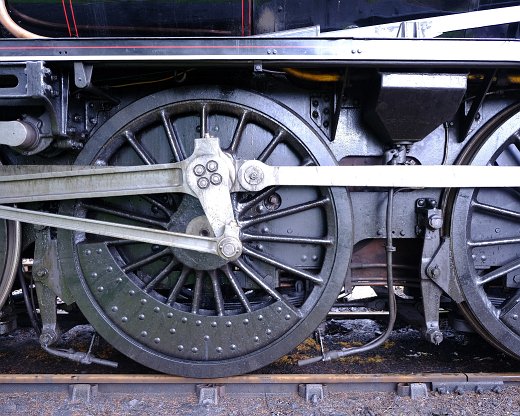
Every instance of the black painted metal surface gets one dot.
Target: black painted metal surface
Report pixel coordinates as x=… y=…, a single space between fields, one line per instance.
x=222 y=17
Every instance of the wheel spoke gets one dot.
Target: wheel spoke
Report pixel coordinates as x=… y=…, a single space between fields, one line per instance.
x=285 y=212
x=491 y=242
x=197 y=292
x=161 y=276
x=507 y=308
x=236 y=287
x=237 y=135
x=495 y=274
x=509 y=157
x=146 y=260
x=268 y=150
x=284 y=239
x=124 y=214
x=121 y=242
x=204 y=120
x=172 y=297
x=255 y=277
x=173 y=138
x=168 y=212
x=139 y=149
x=219 y=299
x=273 y=262
x=502 y=212
x=515 y=192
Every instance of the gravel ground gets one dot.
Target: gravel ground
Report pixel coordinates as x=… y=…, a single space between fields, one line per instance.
x=356 y=403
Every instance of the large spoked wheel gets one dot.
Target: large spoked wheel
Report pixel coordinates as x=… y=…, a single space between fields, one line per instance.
x=195 y=314
x=486 y=239
x=10 y=254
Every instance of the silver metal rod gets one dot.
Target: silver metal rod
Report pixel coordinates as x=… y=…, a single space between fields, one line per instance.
x=129 y=232
x=431 y=27
x=341 y=51
x=28 y=183
x=390 y=176
x=35 y=183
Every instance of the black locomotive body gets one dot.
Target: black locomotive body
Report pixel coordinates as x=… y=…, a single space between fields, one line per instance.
x=203 y=201
x=97 y=18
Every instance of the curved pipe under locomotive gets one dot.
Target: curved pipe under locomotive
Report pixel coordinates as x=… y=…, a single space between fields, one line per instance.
x=203 y=201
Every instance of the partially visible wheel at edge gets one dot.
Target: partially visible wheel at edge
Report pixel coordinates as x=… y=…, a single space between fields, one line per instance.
x=194 y=314
x=10 y=246
x=10 y=252
x=485 y=232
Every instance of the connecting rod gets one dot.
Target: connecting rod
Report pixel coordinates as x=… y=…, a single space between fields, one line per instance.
x=211 y=176
x=55 y=183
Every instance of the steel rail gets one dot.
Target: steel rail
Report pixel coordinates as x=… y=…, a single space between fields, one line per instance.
x=250 y=384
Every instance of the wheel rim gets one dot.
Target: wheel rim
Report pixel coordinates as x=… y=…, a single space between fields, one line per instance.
x=193 y=314
x=486 y=240
x=10 y=252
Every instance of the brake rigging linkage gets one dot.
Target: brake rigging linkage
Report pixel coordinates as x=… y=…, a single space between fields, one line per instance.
x=80 y=357
x=392 y=307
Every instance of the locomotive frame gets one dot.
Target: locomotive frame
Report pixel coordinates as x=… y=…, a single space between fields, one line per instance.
x=254 y=161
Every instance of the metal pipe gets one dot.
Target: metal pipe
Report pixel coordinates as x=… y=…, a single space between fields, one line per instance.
x=392 y=307
x=28 y=303
x=12 y=26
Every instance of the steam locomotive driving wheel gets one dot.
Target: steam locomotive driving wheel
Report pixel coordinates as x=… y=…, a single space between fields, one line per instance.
x=486 y=239
x=197 y=314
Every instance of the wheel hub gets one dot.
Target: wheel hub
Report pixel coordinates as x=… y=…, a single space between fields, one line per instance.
x=190 y=219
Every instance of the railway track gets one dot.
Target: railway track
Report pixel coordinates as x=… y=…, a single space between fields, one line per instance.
x=304 y=384
x=261 y=394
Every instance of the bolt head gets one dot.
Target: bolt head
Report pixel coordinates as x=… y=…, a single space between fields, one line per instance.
x=274 y=199
x=215 y=179
x=254 y=175
x=203 y=183
x=434 y=272
x=199 y=170
x=435 y=221
x=212 y=166
x=42 y=272
x=437 y=338
x=229 y=247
